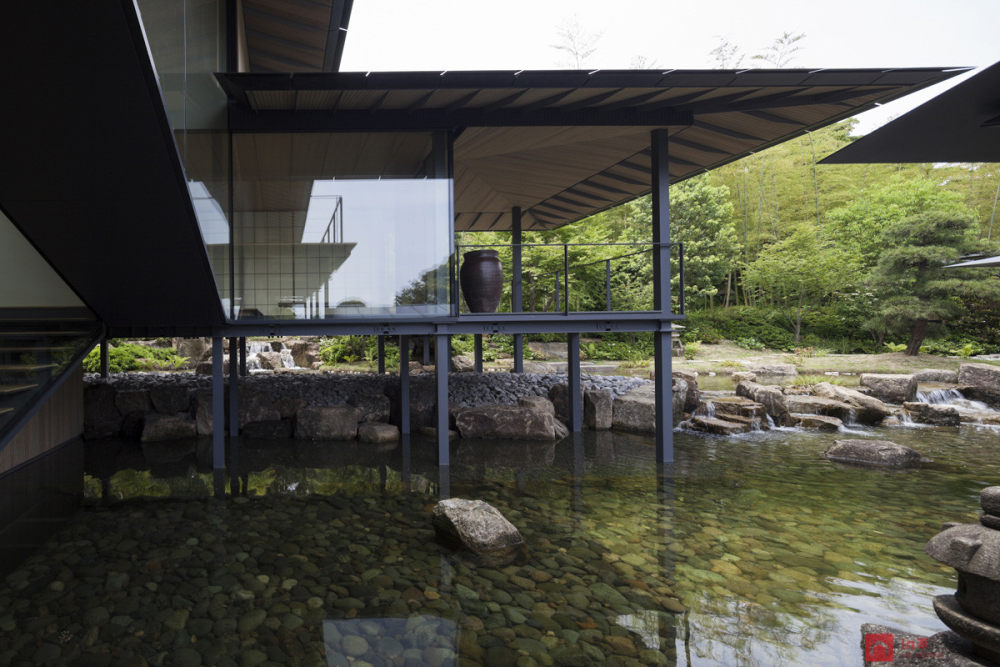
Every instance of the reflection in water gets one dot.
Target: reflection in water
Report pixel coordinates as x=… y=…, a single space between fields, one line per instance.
x=749 y=550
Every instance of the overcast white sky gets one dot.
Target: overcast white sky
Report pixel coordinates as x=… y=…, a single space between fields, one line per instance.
x=387 y=35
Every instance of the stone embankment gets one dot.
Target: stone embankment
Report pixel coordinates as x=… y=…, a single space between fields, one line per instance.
x=155 y=407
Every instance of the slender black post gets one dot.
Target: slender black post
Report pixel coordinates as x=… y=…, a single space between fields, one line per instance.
x=381 y=355
x=663 y=372
x=607 y=285
x=558 y=307
x=517 y=287
x=441 y=387
x=243 y=357
x=478 y=343
x=404 y=385
x=234 y=419
x=218 y=420
x=105 y=357
x=573 y=371
x=427 y=351
x=566 y=281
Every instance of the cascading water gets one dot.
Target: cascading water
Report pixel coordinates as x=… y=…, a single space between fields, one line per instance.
x=954 y=398
x=255 y=348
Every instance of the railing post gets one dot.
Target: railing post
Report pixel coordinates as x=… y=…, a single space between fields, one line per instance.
x=558 y=307
x=607 y=285
x=566 y=281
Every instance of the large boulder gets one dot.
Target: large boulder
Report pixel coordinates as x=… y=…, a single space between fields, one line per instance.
x=169 y=399
x=133 y=400
x=692 y=397
x=158 y=428
x=635 y=411
x=936 y=375
x=982 y=383
x=817 y=405
x=480 y=528
x=737 y=406
x=539 y=403
x=881 y=453
x=374 y=432
x=867 y=409
x=817 y=422
x=598 y=409
x=270 y=361
x=770 y=396
x=101 y=416
x=257 y=406
x=935 y=415
x=339 y=422
x=304 y=353
x=195 y=350
x=423 y=402
x=719 y=426
x=462 y=364
x=373 y=407
x=512 y=422
x=559 y=395
x=892 y=388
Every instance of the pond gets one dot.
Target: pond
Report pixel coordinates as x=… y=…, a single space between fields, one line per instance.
x=748 y=550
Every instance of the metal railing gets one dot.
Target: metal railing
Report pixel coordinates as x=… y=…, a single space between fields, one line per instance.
x=335 y=227
x=560 y=278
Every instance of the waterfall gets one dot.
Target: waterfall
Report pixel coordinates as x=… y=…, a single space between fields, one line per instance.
x=940 y=396
x=709 y=409
x=257 y=347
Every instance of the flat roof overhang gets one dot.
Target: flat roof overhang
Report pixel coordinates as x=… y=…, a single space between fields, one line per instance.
x=961 y=124
x=562 y=145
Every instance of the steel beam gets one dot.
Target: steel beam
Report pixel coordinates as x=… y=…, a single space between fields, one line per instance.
x=661 y=297
x=478 y=345
x=441 y=390
x=234 y=419
x=517 y=286
x=404 y=385
x=218 y=420
x=573 y=373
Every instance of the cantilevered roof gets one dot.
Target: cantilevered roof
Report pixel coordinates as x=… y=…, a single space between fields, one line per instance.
x=961 y=124
x=295 y=35
x=564 y=144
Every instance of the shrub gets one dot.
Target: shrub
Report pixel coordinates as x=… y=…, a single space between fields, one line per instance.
x=125 y=357
x=691 y=349
x=336 y=349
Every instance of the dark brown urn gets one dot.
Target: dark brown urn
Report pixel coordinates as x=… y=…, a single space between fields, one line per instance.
x=482 y=280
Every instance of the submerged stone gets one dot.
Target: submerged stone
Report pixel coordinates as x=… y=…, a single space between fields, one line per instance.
x=880 y=453
x=480 y=527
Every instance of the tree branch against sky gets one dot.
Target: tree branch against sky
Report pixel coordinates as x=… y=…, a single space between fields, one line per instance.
x=575 y=43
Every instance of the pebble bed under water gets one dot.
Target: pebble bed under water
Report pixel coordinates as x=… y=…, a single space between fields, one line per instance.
x=754 y=551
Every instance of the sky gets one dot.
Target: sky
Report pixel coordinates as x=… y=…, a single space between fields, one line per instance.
x=395 y=35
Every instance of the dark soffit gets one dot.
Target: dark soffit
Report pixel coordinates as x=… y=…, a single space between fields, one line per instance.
x=564 y=144
x=959 y=125
x=295 y=35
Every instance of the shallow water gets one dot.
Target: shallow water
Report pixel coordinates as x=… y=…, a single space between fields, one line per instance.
x=751 y=550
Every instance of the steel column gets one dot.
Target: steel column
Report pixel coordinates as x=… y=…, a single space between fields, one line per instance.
x=427 y=351
x=105 y=358
x=441 y=389
x=234 y=418
x=218 y=420
x=662 y=362
x=243 y=356
x=404 y=385
x=381 y=355
x=478 y=344
x=573 y=373
x=517 y=287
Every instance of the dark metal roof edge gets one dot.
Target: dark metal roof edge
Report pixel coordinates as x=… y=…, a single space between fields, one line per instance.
x=658 y=78
x=340 y=17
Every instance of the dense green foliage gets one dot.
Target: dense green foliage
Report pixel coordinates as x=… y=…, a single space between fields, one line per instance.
x=125 y=357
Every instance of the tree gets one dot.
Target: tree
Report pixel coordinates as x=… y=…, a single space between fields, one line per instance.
x=913 y=286
x=576 y=43
x=726 y=54
x=781 y=51
x=799 y=271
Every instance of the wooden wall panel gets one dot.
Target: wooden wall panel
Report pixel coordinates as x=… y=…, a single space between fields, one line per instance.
x=60 y=419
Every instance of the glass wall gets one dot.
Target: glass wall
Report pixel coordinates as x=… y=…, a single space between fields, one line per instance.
x=329 y=225
x=187 y=40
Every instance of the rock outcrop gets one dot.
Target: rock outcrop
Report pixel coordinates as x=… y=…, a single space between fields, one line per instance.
x=890 y=388
x=512 y=422
x=770 y=396
x=981 y=382
x=339 y=422
x=867 y=409
x=934 y=415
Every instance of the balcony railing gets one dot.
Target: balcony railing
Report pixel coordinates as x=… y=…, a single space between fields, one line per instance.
x=556 y=278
